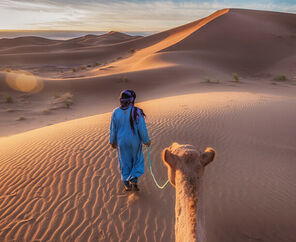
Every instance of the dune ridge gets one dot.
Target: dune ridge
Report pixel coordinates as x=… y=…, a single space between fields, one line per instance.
x=91 y=48
x=223 y=42
x=173 y=36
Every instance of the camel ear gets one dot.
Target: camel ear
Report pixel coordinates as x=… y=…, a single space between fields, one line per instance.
x=207 y=156
x=169 y=158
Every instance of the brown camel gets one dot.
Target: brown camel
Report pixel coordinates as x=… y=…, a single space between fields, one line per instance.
x=185 y=169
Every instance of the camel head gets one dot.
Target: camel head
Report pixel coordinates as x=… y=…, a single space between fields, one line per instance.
x=186 y=159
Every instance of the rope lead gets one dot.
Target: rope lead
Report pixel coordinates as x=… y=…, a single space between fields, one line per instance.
x=160 y=187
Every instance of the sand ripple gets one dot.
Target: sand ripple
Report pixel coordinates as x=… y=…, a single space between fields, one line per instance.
x=61 y=183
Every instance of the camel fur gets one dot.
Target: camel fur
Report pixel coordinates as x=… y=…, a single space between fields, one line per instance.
x=185 y=170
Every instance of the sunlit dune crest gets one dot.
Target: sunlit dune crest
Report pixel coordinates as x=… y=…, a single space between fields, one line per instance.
x=147 y=58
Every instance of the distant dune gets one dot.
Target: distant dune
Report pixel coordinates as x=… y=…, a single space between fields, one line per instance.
x=27 y=40
x=111 y=37
x=35 y=50
x=232 y=40
x=87 y=40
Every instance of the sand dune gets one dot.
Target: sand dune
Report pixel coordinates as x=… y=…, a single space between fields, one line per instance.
x=229 y=40
x=84 y=41
x=62 y=182
x=165 y=39
x=27 y=40
x=111 y=37
x=82 y=50
x=172 y=62
x=242 y=41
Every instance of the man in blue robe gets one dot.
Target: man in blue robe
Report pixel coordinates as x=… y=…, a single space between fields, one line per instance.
x=127 y=133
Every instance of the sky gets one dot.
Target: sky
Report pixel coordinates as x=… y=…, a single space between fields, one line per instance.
x=116 y=15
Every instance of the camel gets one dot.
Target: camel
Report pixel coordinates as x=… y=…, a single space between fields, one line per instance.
x=185 y=170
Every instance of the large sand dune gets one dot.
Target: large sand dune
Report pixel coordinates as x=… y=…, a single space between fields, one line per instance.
x=61 y=183
x=89 y=48
x=242 y=41
x=230 y=40
x=172 y=62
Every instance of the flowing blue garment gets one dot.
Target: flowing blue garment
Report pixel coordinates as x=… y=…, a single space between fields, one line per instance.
x=129 y=143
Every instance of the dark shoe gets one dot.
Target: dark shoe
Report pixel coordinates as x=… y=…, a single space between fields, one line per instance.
x=135 y=187
x=134 y=184
x=127 y=186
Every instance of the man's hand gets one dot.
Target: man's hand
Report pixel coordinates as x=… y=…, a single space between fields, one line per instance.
x=114 y=146
x=148 y=143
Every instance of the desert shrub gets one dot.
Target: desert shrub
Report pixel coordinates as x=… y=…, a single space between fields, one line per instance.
x=67 y=95
x=96 y=64
x=280 y=78
x=62 y=101
x=74 y=69
x=88 y=65
x=83 y=68
x=235 y=77
x=7 y=69
x=67 y=99
x=131 y=51
x=8 y=98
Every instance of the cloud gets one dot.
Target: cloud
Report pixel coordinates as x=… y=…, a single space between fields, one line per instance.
x=118 y=15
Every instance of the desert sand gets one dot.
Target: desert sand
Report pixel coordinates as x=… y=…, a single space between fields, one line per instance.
x=60 y=179
x=62 y=182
